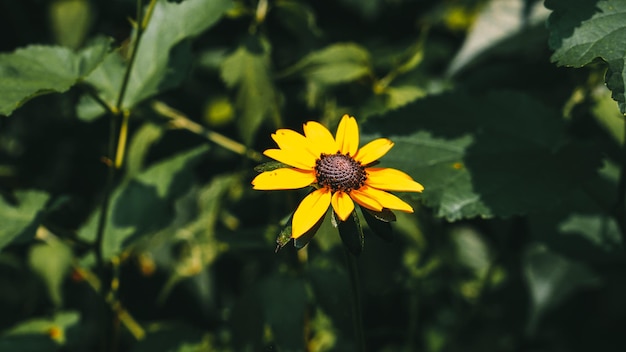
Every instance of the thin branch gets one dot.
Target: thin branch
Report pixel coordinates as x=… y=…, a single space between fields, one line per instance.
x=179 y=120
x=121 y=313
x=141 y=25
x=115 y=151
x=108 y=188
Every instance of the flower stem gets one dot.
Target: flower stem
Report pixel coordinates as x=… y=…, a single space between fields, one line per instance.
x=357 y=314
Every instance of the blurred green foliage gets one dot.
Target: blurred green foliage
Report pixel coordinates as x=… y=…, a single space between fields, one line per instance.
x=130 y=131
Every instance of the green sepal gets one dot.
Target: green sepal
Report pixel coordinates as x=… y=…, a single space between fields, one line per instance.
x=270 y=166
x=283 y=237
x=351 y=233
x=380 y=222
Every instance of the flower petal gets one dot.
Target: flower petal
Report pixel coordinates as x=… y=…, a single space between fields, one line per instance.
x=342 y=204
x=365 y=200
x=291 y=140
x=391 y=180
x=373 y=150
x=283 y=178
x=303 y=161
x=387 y=200
x=310 y=210
x=320 y=139
x=348 y=135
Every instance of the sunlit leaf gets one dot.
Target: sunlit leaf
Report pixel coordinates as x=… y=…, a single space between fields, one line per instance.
x=581 y=31
x=400 y=96
x=248 y=70
x=162 y=63
x=70 y=21
x=498 y=22
x=139 y=147
x=471 y=250
x=39 y=334
x=52 y=261
x=37 y=69
x=164 y=56
x=337 y=63
x=498 y=155
x=20 y=219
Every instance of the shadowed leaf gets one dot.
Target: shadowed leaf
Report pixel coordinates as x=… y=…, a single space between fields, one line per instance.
x=497 y=155
x=581 y=31
x=20 y=219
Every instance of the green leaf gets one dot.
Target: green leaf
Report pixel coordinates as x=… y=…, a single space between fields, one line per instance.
x=581 y=31
x=337 y=63
x=37 y=69
x=380 y=227
x=171 y=23
x=551 y=278
x=39 y=334
x=21 y=219
x=248 y=70
x=144 y=204
x=498 y=22
x=277 y=304
x=52 y=261
x=163 y=57
x=284 y=305
x=298 y=18
x=585 y=230
x=402 y=95
x=498 y=155
x=369 y=10
x=70 y=21
x=270 y=166
x=176 y=338
x=139 y=147
x=283 y=237
x=351 y=232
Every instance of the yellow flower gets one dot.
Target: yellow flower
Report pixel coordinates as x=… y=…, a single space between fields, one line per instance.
x=339 y=170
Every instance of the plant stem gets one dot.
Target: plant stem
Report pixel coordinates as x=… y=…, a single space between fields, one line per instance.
x=122 y=314
x=141 y=23
x=108 y=186
x=357 y=315
x=121 y=141
x=115 y=155
x=620 y=204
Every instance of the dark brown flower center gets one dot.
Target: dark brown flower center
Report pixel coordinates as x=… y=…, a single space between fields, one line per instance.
x=339 y=172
